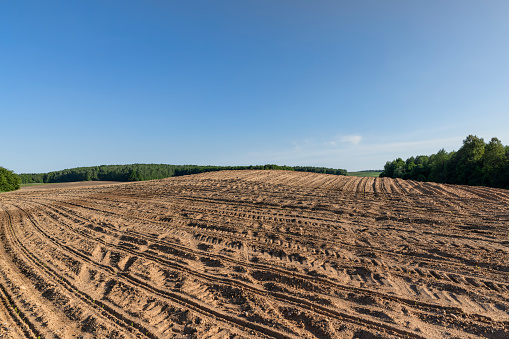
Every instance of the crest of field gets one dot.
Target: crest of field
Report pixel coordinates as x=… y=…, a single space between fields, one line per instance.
x=357 y=185
x=46 y=186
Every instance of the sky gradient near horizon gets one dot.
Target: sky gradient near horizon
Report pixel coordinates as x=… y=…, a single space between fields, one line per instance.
x=342 y=84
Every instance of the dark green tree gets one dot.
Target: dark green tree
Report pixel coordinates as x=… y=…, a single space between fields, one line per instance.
x=437 y=164
x=469 y=161
x=495 y=162
x=391 y=167
x=475 y=163
x=9 y=181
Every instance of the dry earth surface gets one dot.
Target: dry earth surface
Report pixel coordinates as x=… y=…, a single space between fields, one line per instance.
x=255 y=254
x=37 y=187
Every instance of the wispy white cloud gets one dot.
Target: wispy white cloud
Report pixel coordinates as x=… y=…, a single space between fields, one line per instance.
x=352 y=139
x=342 y=140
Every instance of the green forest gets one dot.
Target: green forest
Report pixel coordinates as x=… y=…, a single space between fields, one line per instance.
x=141 y=172
x=476 y=163
x=9 y=181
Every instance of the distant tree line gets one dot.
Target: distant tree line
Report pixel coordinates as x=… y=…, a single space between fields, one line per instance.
x=319 y=170
x=9 y=181
x=140 y=172
x=476 y=163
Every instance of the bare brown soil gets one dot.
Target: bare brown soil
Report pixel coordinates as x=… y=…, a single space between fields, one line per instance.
x=37 y=187
x=255 y=254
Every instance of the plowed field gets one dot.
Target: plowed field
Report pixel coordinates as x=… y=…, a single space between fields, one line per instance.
x=255 y=254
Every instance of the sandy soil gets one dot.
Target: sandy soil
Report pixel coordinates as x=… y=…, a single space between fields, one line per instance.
x=255 y=254
x=37 y=187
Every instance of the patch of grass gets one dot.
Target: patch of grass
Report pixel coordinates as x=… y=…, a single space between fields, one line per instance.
x=35 y=184
x=364 y=174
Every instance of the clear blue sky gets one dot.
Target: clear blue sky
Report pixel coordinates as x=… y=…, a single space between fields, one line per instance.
x=343 y=84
